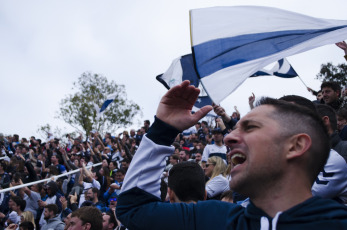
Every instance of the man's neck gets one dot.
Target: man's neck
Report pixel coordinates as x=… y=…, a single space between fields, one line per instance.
x=282 y=197
x=218 y=143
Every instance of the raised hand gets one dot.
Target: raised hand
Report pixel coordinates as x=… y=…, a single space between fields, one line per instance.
x=342 y=45
x=251 y=100
x=176 y=105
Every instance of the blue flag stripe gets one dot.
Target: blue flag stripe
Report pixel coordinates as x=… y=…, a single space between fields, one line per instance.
x=217 y=54
x=105 y=104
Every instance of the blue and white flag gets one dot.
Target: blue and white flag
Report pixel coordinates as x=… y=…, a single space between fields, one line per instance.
x=282 y=68
x=109 y=99
x=230 y=44
x=182 y=69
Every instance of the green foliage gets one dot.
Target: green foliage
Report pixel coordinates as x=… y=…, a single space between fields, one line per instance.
x=47 y=128
x=78 y=109
x=329 y=72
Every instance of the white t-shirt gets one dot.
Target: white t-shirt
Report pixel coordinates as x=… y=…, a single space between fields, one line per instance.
x=217 y=186
x=214 y=150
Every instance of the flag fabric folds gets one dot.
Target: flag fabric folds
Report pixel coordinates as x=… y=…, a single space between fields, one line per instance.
x=230 y=44
x=182 y=69
x=109 y=99
x=282 y=68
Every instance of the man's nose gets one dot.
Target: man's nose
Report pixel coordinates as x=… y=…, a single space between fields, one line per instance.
x=232 y=138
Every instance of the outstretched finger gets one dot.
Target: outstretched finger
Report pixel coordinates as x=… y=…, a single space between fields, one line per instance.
x=202 y=112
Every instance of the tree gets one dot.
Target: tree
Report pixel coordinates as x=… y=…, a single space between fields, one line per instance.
x=78 y=109
x=329 y=72
x=47 y=128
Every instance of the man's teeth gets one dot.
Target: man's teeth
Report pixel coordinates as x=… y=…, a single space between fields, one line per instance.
x=237 y=159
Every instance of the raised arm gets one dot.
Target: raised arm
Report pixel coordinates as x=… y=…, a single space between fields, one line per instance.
x=143 y=176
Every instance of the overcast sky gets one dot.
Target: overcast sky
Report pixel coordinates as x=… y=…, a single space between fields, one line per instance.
x=46 y=45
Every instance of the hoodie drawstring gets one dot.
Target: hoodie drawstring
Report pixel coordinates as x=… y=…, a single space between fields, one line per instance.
x=264 y=222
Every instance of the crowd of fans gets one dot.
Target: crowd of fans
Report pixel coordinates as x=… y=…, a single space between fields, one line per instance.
x=89 y=196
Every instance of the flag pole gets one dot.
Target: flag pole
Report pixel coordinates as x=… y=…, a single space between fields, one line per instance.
x=302 y=81
x=47 y=179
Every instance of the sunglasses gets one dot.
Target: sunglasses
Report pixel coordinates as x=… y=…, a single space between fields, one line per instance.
x=113 y=199
x=208 y=164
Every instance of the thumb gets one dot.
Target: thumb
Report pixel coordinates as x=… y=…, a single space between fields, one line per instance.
x=202 y=112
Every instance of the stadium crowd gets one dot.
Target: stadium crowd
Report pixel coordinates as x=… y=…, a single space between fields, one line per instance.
x=196 y=168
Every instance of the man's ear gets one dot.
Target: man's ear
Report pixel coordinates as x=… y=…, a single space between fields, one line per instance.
x=172 y=195
x=326 y=121
x=298 y=145
x=87 y=226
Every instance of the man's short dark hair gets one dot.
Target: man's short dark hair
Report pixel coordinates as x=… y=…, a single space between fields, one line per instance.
x=325 y=110
x=187 y=180
x=342 y=113
x=295 y=119
x=91 y=215
x=27 y=225
x=299 y=101
x=331 y=84
x=126 y=160
x=19 y=201
x=52 y=208
x=95 y=190
x=112 y=219
x=186 y=152
x=122 y=171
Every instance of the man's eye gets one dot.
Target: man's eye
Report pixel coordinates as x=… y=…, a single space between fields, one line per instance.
x=249 y=127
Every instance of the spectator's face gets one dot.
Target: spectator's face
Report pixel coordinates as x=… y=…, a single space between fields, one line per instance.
x=10 y=203
x=183 y=156
x=35 y=188
x=319 y=96
x=111 y=166
x=119 y=177
x=329 y=95
x=67 y=221
x=47 y=214
x=125 y=165
x=18 y=150
x=132 y=132
x=104 y=163
x=257 y=150
x=90 y=195
x=105 y=222
x=218 y=137
x=76 y=162
x=197 y=157
x=107 y=150
x=341 y=122
x=173 y=161
x=54 y=159
x=209 y=169
x=49 y=191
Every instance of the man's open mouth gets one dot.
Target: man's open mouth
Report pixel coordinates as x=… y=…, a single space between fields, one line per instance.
x=238 y=159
